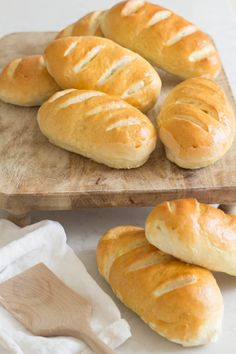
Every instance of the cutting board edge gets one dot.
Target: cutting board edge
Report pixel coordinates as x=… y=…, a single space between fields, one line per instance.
x=24 y=203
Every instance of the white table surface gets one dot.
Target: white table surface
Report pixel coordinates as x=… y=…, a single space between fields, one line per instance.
x=85 y=226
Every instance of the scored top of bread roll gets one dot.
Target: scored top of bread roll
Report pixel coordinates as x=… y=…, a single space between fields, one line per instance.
x=179 y=301
x=98 y=126
x=194 y=232
x=88 y=25
x=26 y=82
x=162 y=37
x=196 y=123
x=95 y=63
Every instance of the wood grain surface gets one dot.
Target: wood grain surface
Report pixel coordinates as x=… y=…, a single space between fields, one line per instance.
x=36 y=175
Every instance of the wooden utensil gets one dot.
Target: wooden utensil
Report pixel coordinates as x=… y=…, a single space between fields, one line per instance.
x=47 y=307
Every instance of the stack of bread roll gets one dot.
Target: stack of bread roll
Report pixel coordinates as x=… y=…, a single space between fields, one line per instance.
x=103 y=62
x=163 y=273
x=95 y=83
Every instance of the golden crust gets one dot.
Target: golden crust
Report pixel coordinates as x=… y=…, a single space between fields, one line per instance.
x=94 y=63
x=98 y=126
x=196 y=123
x=179 y=301
x=26 y=82
x=165 y=39
x=194 y=232
x=88 y=25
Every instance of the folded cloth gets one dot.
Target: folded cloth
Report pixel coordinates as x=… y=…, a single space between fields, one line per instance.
x=20 y=249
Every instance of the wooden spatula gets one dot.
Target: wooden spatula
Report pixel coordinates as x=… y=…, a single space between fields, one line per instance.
x=47 y=307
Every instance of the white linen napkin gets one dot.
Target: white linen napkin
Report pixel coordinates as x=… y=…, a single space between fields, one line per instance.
x=20 y=249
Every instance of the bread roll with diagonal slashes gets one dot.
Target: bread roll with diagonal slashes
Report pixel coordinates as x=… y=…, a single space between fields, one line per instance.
x=98 y=126
x=194 y=232
x=94 y=63
x=179 y=301
x=26 y=82
x=88 y=25
x=165 y=39
x=196 y=123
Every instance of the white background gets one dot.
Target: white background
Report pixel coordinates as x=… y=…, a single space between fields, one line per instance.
x=83 y=227
x=44 y=15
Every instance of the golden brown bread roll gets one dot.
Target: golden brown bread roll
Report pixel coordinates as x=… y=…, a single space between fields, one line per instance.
x=26 y=82
x=194 y=232
x=196 y=123
x=165 y=39
x=179 y=301
x=98 y=126
x=94 y=63
x=88 y=25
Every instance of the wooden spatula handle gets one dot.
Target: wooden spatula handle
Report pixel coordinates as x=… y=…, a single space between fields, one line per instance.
x=93 y=341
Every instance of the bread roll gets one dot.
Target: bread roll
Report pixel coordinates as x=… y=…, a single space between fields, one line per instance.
x=179 y=301
x=196 y=123
x=194 y=232
x=98 y=126
x=26 y=82
x=86 y=26
x=165 y=39
x=94 y=63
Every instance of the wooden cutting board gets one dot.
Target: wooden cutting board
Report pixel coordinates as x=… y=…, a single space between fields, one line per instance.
x=36 y=175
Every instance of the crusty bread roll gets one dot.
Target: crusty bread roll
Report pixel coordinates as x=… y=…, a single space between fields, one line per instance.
x=94 y=63
x=86 y=26
x=98 y=126
x=179 y=301
x=166 y=40
x=26 y=82
x=194 y=232
x=196 y=123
